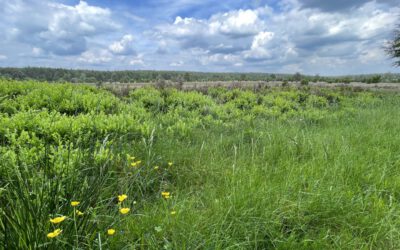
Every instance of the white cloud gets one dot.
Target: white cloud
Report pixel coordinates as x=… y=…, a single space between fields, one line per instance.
x=259 y=47
x=231 y=30
x=291 y=39
x=3 y=57
x=262 y=39
x=236 y=23
x=137 y=61
x=221 y=59
x=36 y=51
x=53 y=27
x=96 y=57
x=177 y=64
x=123 y=47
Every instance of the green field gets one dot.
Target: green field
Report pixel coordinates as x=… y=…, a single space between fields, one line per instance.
x=284 y=168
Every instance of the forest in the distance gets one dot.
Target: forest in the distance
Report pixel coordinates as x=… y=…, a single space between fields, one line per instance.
x=143 y=76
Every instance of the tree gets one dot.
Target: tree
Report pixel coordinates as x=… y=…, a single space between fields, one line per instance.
x=186 y=77
x=297 y=77
x=393 y=48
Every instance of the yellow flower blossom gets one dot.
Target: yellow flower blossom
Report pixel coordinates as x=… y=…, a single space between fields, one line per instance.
x=79 y=213
x=173 y=212
x=58 y=219
x=122 y=197
x=170 y=164
x=75 y=203
x=124 y=210
x=54 y=234
x=166 y=195
x=111 y=231
x=156 y=167
x=132 y=158
x=135 y=163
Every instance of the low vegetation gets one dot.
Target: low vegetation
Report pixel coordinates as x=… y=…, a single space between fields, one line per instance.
x=288 y=168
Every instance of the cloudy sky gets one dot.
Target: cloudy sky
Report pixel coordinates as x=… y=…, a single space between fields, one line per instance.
x=328 y=37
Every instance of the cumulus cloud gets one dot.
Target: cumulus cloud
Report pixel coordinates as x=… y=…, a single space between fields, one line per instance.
x=221 y=59
x=295 y=36
x=229 y=32
x=236 y=23
x=137 y=61
x=123 y=47
x=96 y=57
x=260 y=48
x=54 y=27
x=177 y=64
x=37 y=51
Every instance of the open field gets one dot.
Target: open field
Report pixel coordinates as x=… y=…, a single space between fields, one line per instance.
x=220 y=168
x=256 y=85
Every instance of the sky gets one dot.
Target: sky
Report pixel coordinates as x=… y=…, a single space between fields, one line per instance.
x=326 y=37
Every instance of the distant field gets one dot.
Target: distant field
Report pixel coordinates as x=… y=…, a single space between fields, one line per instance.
x=206 y=168
x=254 y=85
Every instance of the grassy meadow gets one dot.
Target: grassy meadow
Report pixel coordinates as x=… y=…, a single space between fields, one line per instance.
x=276 y=168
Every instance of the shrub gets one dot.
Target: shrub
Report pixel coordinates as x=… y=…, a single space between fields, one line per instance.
x=304 y=82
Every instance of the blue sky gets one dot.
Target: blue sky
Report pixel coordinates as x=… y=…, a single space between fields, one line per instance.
x=286 y=36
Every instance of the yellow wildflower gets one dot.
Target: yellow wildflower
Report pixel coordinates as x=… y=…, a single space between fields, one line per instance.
x=54 y=234
x=79 y=213
x=170 y=164
x=122 y=197
x=75 y=203
x=58 y=219
x=166 y=195
x=173 y=212
x=132 y=158
x=135 y=163
x=156 y=168
x=124 y=210
x=111 y=231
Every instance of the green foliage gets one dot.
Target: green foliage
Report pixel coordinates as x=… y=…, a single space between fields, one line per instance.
x=393 y=47
x=304 y=82
x=277 y=168
x=373 y=79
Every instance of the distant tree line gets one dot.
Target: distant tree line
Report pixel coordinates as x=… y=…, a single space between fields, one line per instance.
x=143 y=76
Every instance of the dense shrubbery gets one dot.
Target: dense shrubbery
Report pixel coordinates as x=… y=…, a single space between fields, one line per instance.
x=60 y=143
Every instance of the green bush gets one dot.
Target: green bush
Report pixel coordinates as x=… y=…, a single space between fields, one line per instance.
x=304 y=82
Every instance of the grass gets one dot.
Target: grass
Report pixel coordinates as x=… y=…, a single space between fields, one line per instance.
x=297 y=186
x=242 y=182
